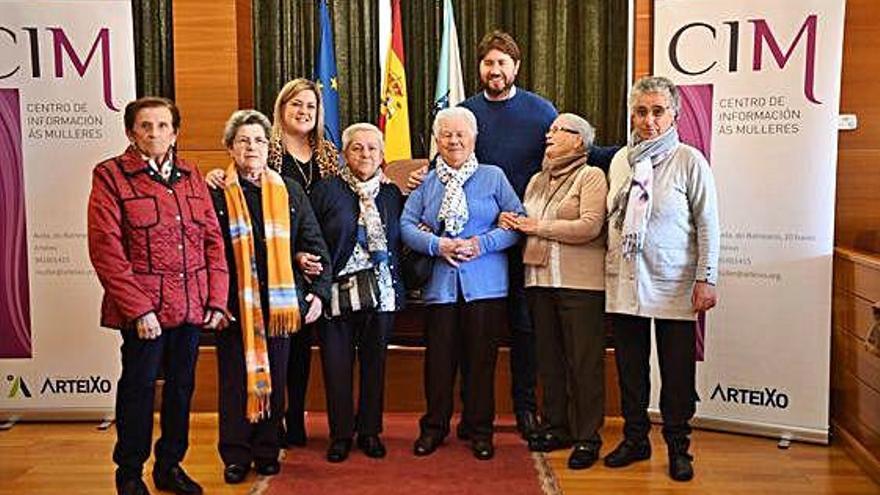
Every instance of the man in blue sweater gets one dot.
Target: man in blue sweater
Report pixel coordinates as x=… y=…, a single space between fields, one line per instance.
x=511 y=126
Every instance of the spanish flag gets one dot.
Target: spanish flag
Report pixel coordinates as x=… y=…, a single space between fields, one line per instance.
x=394 y=116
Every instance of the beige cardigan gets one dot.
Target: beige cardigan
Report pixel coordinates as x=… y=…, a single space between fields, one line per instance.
x=574 y=229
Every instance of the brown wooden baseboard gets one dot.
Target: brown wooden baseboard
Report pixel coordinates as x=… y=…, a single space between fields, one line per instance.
x=403 y=382
x=867 y=460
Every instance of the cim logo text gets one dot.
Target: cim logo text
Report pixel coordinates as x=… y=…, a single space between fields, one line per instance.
x=90 y=385
x=762 y=37
x=23 y=52
x=766 y=397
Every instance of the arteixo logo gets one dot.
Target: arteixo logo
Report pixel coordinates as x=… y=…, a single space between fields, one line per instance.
x=763 y=397
x=94 y=385
x=18 y=388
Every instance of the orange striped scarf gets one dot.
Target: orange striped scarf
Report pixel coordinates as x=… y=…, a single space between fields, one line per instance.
x=284 y=316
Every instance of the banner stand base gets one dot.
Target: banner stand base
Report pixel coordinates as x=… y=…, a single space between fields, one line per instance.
x=58 y=415
x=784 y=433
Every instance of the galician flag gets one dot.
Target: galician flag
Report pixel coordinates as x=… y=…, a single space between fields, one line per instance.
x=394 y=116
x=450 y=85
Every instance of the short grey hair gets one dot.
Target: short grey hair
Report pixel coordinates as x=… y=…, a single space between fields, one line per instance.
x=241 y=118
x=583 y=128
x=350 y=131
x=454 y=113
x=655 y=84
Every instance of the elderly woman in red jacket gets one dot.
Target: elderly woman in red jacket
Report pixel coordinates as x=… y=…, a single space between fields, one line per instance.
x=158 y=252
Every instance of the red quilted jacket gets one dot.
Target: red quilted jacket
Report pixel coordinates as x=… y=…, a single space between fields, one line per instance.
x=155 y=246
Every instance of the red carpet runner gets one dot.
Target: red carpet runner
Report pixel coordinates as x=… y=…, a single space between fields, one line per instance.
x=452 y=469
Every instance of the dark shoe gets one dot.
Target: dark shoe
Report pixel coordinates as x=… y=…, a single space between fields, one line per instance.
x=463 y=431
x=132 y=486
x=483 y=449
x=628 y=452
x=681 y=467
x=339 y=450
x=371 y=445
x=234 y=474
x=176 y=480
x=426 y=445
x=269 y=467
x=547 y=442
x=583 y=456
x=526 y=424
x=680 y=462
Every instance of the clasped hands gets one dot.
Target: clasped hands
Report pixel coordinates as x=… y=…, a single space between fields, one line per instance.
x=456 y=251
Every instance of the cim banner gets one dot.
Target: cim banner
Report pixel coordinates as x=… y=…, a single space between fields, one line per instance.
x=761 y=87
x=65 y=76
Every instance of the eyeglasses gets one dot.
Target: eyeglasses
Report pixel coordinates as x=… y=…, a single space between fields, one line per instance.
x=555 y=129
x=656 y=112
x=245 y=142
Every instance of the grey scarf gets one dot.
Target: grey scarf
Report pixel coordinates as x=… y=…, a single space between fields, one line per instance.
x=631 y=208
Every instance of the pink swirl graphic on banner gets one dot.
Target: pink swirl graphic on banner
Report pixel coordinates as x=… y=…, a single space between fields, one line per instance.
x=695 y=129
x=695 y=121
x=15 y=320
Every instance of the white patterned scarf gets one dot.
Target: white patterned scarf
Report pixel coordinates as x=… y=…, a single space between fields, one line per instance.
x=454 y=209
x=631 y=209
x=377 y=241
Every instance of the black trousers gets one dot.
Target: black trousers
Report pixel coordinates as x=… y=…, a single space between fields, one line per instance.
x=298 y=370
x=676 y=353
x=466 y=332
x=175 y=353
x=570 y=333
x=242 y=442
x=365 y=333
x=523 y=355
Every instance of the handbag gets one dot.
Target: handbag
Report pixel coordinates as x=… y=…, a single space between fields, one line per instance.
x=415 y=268
x=354 y=292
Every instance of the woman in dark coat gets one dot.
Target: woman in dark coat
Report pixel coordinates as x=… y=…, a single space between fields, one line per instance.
x=265 y=219
x=359 y=215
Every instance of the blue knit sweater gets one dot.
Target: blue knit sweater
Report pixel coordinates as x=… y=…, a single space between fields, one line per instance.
x=488 y=194
x=511 y=133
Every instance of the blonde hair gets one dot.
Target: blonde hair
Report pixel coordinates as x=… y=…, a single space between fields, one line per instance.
x=291 y=89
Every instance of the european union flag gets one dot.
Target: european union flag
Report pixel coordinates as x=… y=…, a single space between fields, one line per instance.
x=326 y=76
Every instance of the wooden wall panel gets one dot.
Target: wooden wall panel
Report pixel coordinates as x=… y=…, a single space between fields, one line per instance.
x=403 y=382
x=859 y=79
x=643 y=34
x=207 y=159
x=245 y=40
x=858 y=177
x=857 y=207
x=205 y=69
x=855 y=371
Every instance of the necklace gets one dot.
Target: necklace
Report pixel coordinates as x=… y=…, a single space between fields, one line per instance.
x=307 y=179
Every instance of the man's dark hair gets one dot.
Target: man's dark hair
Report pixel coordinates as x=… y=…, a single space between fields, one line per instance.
x=501 y=41
x=132 y=109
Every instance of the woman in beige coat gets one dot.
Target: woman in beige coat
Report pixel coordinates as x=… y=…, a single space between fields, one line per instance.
x=564 y=258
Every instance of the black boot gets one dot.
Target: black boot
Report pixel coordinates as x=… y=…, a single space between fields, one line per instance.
x=680 y=461
x=629 y=451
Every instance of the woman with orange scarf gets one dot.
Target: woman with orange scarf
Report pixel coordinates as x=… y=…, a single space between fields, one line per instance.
x=265 y=219
x=298 y=150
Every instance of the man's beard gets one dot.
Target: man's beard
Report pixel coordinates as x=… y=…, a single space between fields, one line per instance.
x=498 y=92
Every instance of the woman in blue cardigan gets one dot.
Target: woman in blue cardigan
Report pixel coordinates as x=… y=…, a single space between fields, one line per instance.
x=359 y=216
x=452 y=217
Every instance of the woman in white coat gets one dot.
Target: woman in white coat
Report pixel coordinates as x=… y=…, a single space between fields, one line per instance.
x=661 y=266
